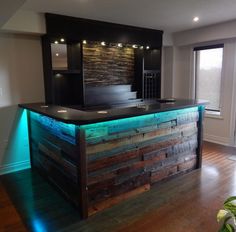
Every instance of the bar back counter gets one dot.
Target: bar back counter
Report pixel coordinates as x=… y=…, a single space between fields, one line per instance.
x=98 y=158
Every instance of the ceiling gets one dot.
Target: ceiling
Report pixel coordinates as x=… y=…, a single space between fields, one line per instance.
x=8 y=8
x=167 y=15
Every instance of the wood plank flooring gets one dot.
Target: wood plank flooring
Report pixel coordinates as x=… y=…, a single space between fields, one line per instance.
x=184 y=203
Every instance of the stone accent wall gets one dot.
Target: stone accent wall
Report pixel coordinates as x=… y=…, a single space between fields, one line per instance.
x=106 y=65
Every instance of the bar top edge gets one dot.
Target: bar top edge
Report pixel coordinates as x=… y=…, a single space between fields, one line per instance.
x=89 y=116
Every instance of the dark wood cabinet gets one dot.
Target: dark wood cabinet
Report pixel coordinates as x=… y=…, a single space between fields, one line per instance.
x=66 y=65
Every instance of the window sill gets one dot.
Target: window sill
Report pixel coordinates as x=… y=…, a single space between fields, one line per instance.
x=212 y=114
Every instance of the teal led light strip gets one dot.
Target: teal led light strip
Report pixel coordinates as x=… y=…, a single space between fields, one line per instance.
x=62 y=130
x=161 y=116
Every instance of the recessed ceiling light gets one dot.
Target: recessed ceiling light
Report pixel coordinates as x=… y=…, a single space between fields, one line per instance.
x=84 y=42
x=62 y=40
x=147 y=47
x=103 y=43
x=195 y=19
x=56 y=42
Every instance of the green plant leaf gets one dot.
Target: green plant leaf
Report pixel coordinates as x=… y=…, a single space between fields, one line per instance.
x=221 y=214
x=229 y=212
x=230 y=227
x=233 y=198
x=231 y=207
x=226 y=228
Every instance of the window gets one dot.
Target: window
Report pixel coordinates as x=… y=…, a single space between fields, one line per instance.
x=208 y=68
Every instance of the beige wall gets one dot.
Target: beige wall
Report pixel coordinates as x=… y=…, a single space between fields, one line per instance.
x=221 y=31
x=21 y=81
x=220 y=129
x=26 y=22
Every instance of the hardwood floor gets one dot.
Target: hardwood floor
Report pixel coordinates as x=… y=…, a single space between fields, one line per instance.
x=185 y=203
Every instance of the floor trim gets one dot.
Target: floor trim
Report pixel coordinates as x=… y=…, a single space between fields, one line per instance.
x=216 y=139
x=14 y=167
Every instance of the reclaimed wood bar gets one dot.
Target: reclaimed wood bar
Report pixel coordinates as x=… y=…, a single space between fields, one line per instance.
x=100 y=158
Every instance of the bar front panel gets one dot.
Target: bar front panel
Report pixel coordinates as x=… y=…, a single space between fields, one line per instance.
x=126 y=156
x=101 y=164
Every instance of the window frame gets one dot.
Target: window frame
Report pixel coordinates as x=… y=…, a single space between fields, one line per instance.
x=212 y=112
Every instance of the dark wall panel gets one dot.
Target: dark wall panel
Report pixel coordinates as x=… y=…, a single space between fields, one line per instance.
x=79 y=29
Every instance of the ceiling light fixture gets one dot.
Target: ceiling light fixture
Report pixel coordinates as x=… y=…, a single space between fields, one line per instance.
x=57 y=54
x=56 y=42
x=84 y=42
x=120 y=45
x=141 y=47
x=103 y=43
x=62 y=40
x=195 y=19
x=134 y=46
x=147 y=47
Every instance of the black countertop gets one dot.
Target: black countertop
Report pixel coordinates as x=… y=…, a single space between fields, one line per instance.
x=82 y=116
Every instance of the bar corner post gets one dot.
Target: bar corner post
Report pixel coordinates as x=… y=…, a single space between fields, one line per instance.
x=201 y=110
x=83 y=176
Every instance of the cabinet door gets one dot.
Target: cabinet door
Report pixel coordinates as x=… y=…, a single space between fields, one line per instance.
x=152 y=59
x=74 y=56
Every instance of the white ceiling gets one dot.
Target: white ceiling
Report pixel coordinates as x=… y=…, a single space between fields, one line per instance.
x=167 y=15
x=8 y=8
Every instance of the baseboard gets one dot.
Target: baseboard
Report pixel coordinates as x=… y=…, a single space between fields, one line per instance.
x=217 y=139
x=14 y=167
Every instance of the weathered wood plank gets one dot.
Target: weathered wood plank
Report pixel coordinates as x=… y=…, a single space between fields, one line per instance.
x=40 y=134
x=62 y=169
x=121 y=125
x=103 y=177
x=126 y=141
x=178 y=158
x=185 y=130
x=188 y=164
x=57 y=157
x=164 y=173
x=123 y=172
x=107 y=161
x=118 y=163
x=132 y=132
x=64 y=131
x=95 y=195
x=48 y=169
x=115 y=200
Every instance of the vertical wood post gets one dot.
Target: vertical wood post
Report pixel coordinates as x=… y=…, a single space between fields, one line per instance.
x=200 y=136
x=83 y=176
